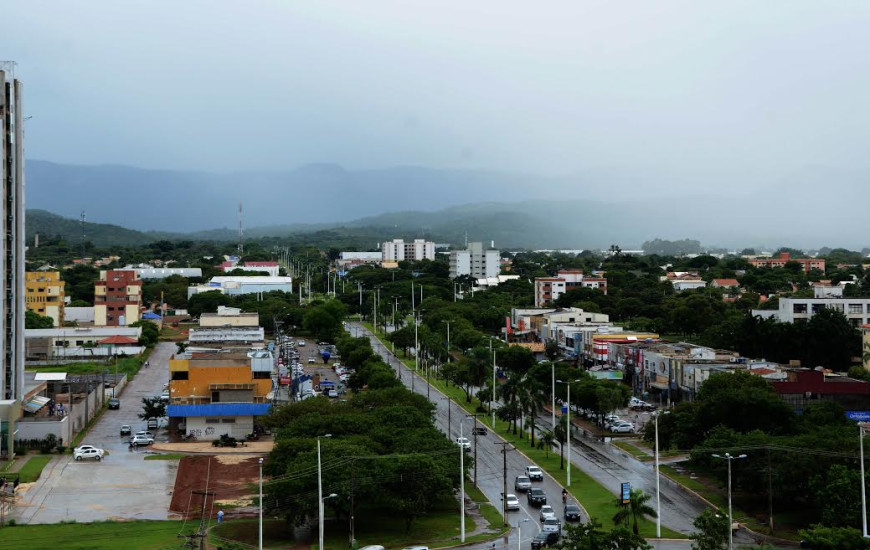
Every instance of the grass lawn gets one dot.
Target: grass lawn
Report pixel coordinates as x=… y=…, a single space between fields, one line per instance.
x=169 y=456
x=132 y=535
x=127 y=365
x=632 y=450
x=32 y=468
x=599 y=502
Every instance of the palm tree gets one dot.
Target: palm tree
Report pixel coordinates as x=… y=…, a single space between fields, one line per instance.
x=560 y=432
x=546 y=441
x=636 y=508
x=531 y=398
x=509 y=393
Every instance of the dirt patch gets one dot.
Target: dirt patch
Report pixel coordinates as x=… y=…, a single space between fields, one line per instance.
x=228 y=477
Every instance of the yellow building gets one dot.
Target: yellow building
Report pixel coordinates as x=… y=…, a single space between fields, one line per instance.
x=44 y=294
x=216 y=393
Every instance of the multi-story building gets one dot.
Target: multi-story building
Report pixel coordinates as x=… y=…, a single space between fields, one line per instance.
x=270 y=268
x=350 y=260
x=229 y=326
x=11 y=257
x=857 y=310
x=44 y=294
x=807 y=264
x=475 y=261
x=117 y=298
x=549 y=289
x=236 y=285
x=398 y=250
x=217 y=393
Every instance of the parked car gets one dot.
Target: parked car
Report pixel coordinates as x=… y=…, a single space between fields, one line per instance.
x=547 y=512
x=522 y=484
x=311 y=360
x=114 y=403
x=141 y=440
x=513 y=503
x=151 y=424
x=622 y=428
x=572 y=512
x=164 y=397
x=332 y=393
x=551 y=526
x=83 y=448
x=90 y=452
x=537 y=496
x=534 y=473
x=126 y=429
x=300 y=343
x=145 y=434
x=545 y=539
x=464 y=443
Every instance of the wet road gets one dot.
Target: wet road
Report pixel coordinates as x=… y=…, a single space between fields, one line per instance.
x=123 y=485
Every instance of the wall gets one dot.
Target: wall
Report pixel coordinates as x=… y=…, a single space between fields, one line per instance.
x=202 y=429
x=39 y=429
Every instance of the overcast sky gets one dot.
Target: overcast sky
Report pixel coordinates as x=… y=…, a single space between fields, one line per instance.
x=701 y=91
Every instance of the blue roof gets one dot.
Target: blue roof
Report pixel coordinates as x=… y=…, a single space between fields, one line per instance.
x=150 y=315
x=218 y=409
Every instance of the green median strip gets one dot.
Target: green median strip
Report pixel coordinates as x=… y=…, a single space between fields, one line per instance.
x=594 y=497
x=32 y=469
x=170 y=456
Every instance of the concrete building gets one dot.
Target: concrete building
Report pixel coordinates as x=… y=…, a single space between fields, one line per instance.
x=43 y=344
x=549 y=289
x=229 y=335
x=475 y=261
x=117 y=298
x=350 y=260
x=398 y=250
x=857 y=310
x=79 y=316
x=229 y=317
x=865 y=346
x=807 y=264
x=236 y=285
x=217 y=393
x=44 y=294
x=11 y=256
x=804 y=387
x=157 y=273
x=270 y=268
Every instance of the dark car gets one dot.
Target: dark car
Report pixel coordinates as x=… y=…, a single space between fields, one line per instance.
x=544 y=539
x=537 y=496
x=572 y=512
x=114 y=403
x=126 y=430
x=480 y=430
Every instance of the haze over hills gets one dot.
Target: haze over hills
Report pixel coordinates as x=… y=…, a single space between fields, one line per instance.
x=590 y=211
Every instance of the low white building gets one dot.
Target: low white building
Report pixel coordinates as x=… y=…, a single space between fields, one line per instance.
x=236 y=285
x=155 y=273
x=857 y=310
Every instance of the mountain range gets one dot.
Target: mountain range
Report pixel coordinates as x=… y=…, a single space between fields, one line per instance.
x=591 y=211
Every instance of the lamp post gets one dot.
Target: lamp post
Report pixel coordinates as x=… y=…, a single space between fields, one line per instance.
x=322 y=500
x=520 y=532
x=553 y=393
x=568 y=428
x=861 y=426
x=492 y=396
x=320 y=493
x=729 y=458
x=461 y=443
x=449 y=408
x=658 y=491
x=260 y=533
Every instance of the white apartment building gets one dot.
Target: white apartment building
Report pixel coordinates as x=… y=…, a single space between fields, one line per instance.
x=398 y=250
x=475 y=261
x=549 y=289
x=857 y=310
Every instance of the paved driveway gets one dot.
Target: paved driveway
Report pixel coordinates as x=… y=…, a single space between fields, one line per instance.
x=123 y=485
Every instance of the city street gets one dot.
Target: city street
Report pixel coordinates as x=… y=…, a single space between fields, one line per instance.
x=121 y=486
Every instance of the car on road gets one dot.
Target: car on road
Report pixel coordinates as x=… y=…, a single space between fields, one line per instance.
x=513 y=503
x=114 y=403
x=301 y=343
x=126 y=429
x=572 y=512
x=522 y=484
x=416 y=547
x=90 y=452
x=537 y=496
x=547 y=512
x=332 y=393
x=545 y=539
x=145 y=434
x=311 y=360
x=479 y=430
x=622 y=428
x=551 y=526
x=151 y=424
x=141 y=440
x=83 y=448
x=464 y=443
x=534 y=473
x=164 y=397
x=636 y=404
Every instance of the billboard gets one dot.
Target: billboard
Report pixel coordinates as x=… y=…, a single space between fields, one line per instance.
x=626 y=492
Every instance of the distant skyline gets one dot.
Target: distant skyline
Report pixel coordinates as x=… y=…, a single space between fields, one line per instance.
x=671 y=95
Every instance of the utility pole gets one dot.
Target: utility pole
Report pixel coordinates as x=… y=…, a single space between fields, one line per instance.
x=769 y=492
x=504 y=450
x=200 y=535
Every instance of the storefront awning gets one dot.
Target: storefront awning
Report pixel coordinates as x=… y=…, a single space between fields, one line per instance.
x=36 y=403
x=659 y=386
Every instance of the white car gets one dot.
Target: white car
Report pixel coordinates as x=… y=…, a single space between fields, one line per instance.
x=547 y=512
x=513 y=503
x=300 y=343
x=551 y=526
x=534 y=473
x=83 y=448
x=164 y=397
x=311 y=360
x=464 y=443
x=89 y=452
x=622 y=427
x=332 y=393
x=141 y=440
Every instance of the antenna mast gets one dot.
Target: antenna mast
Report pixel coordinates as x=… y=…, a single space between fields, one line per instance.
x=83 y=236
x=241 y=230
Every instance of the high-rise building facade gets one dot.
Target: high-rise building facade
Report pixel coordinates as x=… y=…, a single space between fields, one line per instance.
x=44 y=294
x=11 y=257
x=398 y=250
x=117 y=298
x=475 y=261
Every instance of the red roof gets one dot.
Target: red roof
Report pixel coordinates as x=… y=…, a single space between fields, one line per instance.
x=226 y=264
x=117 y=341
x=726 y=282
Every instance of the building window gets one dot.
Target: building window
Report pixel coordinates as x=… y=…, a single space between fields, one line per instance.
x=856 y=308
x=228 y=420
x=212 y=420
x=180 y=375
x=262 y=374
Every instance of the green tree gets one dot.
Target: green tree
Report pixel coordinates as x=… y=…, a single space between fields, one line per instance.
x=560 y=432
x=636 y=508
x=838 y=494
x=821 y=537
x=551 y=349
x=546 y=440
x=35 y=320
x=152 y=407
x=515 y=359
x=712 y=531
x=150 y=332
x=591 y=536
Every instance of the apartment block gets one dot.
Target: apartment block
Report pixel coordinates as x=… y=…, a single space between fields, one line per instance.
x=857 y=310
x=11 y=257
x=117 y=298
x=807 y=264
x=44 y=294
x=475 y=261
x=398 y=250
x=549 y=289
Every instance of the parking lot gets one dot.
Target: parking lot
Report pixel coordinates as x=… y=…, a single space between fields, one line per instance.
x=121 y=486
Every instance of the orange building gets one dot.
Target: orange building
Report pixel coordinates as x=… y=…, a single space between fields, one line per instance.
x=216 y=393
x=784 y=257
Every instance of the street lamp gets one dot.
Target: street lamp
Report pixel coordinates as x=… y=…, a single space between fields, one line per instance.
x=492 y=396
x=320 y=493
x=729 y=458
x=461 y=443
x=568 y=427
x=520 y=532
x=658 y=491
x=260 y=538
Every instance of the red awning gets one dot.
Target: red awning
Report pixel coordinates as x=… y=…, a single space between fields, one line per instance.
x=118 y=341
